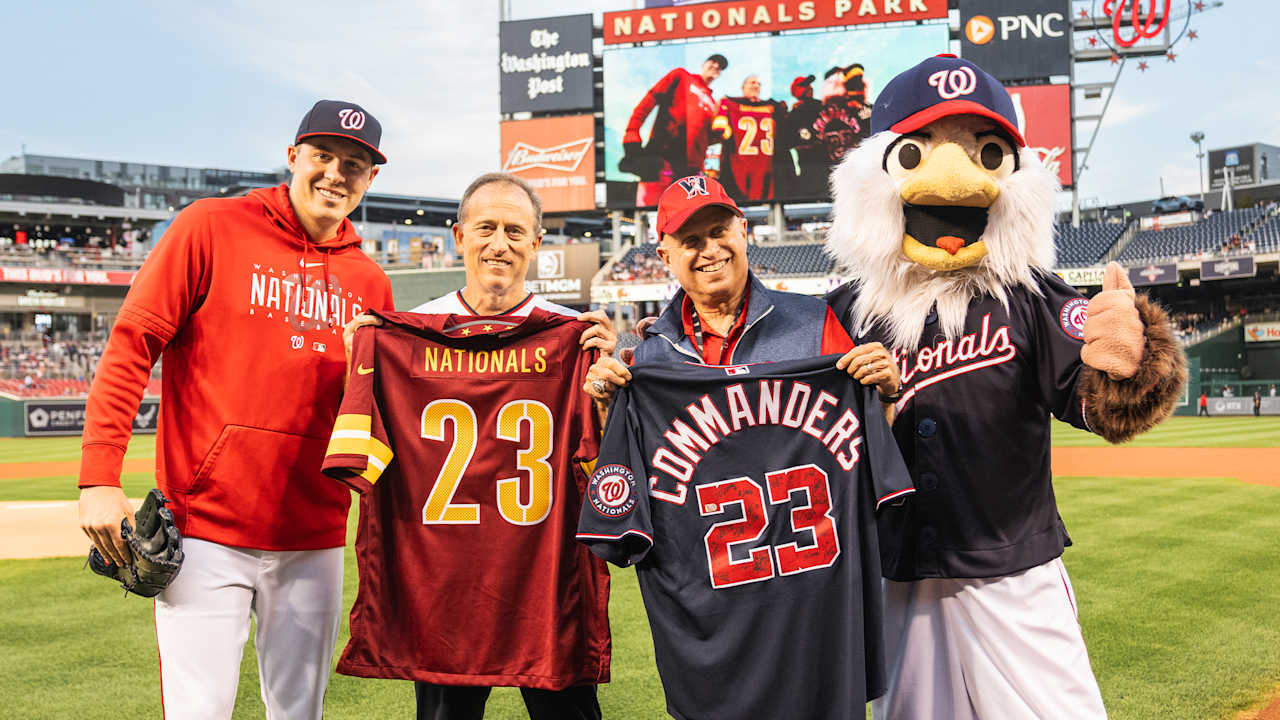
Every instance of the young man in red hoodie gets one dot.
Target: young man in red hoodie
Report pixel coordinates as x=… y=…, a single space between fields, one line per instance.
x=245 y=299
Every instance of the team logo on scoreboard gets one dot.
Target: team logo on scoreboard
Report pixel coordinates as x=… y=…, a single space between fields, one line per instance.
x=1072 y=317
x=612 y=490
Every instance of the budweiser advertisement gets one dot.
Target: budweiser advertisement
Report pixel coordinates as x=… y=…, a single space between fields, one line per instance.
x=1044 y=117
x=556 y=156
x=750 y=16
x=770 y=126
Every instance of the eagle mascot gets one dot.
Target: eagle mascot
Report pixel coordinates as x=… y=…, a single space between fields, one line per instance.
x=944 y=221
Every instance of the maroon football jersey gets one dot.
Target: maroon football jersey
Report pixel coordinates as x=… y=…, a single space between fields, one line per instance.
x=749 y=129
x=463 y=436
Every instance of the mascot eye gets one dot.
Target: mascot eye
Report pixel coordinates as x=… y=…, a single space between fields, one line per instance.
x=992 y=155
x=904 y=156
x=996 y=155
x=909 y=156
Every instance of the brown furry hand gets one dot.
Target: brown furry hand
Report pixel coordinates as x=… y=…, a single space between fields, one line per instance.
x=1113 y=331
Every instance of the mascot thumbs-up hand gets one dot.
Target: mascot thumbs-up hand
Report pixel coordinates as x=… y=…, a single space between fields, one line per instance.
x=1134 y=368
x=1113 y=331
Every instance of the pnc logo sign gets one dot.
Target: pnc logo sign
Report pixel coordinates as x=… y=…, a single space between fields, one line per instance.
x=981 y=30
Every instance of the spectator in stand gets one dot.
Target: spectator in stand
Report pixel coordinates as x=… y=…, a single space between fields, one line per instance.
x=1227 y=391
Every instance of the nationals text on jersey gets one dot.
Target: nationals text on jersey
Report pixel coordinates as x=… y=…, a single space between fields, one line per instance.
x=287 y=292
x=973 y=351
x=801 y=411
x=438 y=359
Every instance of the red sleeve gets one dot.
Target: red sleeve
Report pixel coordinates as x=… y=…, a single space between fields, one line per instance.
x=170 y=286
x=360 y=448
x=835 y=339
x=647 y=103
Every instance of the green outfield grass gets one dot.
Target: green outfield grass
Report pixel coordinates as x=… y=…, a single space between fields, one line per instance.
x=1175 y=578
x=1182 y=431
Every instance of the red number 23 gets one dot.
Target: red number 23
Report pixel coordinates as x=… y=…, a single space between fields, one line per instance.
x=791 y=558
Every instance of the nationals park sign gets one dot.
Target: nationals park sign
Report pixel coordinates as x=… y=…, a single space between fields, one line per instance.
x=750 y=16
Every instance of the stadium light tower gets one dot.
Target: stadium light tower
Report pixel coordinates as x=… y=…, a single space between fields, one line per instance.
x=1197 y=137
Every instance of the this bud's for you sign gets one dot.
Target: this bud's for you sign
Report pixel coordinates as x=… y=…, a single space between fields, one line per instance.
x=545 y=64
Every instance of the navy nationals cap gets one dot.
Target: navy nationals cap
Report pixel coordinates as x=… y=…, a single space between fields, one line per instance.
x=344 y=120
x=938 y=87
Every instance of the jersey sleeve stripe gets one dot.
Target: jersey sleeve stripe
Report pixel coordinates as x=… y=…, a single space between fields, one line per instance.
x=894 y=496
x=370 y=447
x=361 y=423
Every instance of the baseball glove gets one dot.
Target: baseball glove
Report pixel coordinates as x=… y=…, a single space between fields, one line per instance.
x=156 y=547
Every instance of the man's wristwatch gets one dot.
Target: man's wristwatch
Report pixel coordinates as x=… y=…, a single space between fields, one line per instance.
x=893 y=397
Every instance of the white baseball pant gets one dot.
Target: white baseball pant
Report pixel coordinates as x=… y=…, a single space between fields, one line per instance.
x=987 y=649
x=202 y=623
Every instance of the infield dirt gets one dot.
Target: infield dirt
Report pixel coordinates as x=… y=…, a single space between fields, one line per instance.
x=51 y=529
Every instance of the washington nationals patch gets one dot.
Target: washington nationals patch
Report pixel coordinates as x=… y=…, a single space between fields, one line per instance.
x=1072 y=317
x=612 y=490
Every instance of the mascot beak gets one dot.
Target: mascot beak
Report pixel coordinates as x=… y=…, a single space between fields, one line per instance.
x=945 y=201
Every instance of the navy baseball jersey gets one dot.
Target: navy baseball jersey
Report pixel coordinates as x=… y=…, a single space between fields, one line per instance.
x=973 y=427
x=745 y=496
x=463 y=436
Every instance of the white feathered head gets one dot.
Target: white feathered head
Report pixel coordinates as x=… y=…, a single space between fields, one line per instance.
x=943 y=203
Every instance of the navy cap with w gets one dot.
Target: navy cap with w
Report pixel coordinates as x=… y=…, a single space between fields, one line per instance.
x=339 y=118
x=938 y=87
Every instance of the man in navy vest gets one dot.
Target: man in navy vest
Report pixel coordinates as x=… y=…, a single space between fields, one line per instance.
x=723 y=314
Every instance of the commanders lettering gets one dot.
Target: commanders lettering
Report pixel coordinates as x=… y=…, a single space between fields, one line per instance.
x=709 y=420
x=442 y=359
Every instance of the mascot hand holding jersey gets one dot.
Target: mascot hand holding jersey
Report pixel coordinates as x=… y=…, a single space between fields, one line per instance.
x=944 y=220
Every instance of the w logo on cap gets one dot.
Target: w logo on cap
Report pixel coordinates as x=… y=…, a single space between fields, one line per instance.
x=693 y=186
x=954 y=83
x=351 y=119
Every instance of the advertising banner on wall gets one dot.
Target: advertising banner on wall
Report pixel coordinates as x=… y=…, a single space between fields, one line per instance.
x=556 y=156
x=563 y=273
x=770 y=125
x=66 y=417
x=1262 y=332
x=66 y=276
x=1228 y=268
x=545 y=64
x=1017 y=39
x=1161 y=274
x=1081 y=277
x=1044 y=118
x=748 y=16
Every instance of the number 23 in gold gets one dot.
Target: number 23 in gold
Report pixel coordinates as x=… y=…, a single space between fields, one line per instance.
x=440 y=508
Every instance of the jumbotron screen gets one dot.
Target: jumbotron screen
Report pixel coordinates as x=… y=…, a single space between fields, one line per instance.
x=779 y=116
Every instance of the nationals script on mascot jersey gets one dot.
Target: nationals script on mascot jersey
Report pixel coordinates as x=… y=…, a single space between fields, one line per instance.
x=463 y=436
x=745 y=496
x=1018 y=364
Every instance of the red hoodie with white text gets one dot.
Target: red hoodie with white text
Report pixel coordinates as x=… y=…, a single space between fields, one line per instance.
x=235 y=299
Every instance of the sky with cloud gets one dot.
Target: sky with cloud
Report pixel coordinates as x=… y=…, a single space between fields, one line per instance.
x=224 y=85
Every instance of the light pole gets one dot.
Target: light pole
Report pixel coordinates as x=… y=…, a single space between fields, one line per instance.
x=1197 y=137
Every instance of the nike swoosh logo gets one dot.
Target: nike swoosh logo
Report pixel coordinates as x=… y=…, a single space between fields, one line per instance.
x=361 y=369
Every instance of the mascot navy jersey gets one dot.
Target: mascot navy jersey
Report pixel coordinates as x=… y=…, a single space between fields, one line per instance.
x=985 y=505
x=746 y=498
x=463 y=436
